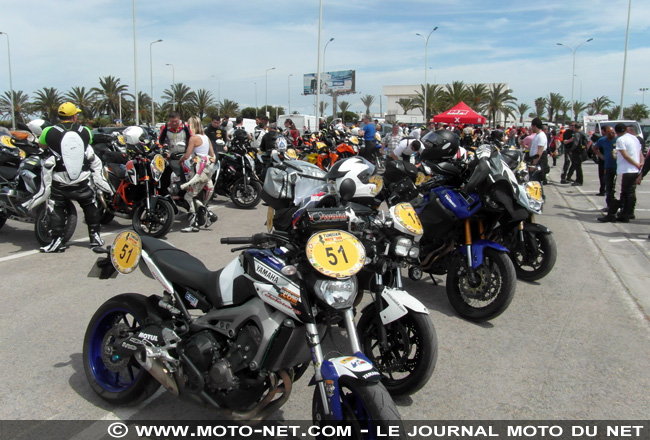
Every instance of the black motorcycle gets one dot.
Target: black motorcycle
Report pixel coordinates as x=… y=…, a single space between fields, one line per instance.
x=235 y=177
x=20 y=180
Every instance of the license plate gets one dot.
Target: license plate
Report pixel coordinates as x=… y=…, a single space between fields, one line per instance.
x=534 y=191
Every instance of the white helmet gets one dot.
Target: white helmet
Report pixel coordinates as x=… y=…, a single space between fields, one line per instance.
x=351 y=178
x=37 y=125
x=134 y=135
x=281 y=143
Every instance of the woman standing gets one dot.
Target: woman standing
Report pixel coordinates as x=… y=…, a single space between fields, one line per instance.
x=199 y=159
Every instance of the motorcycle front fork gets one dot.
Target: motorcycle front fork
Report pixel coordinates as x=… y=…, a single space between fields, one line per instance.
x=468 y=247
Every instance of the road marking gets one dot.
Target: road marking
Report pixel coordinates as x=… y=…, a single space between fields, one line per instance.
x=619 y=240
x=37 y=251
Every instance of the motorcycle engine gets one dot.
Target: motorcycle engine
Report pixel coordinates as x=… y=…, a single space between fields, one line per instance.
x=224 y=363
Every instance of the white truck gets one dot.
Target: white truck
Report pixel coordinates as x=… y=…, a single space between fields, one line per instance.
x=302 y=122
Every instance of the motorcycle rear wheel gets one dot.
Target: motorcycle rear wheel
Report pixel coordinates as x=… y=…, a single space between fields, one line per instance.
x=409 y=357
x=3 y=220
x=493 y=292
x=116 y=380
x=42 y=227
x=537 y=258
x=156 y=223
x=246 y=195
x=366 y=406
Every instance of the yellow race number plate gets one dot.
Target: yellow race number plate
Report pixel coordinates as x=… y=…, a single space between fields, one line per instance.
x=126 y=251
x=406 y=216
x=337 y=254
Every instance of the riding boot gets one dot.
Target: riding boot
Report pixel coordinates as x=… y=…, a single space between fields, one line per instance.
x=93 y=234
x=211 y=218
x=56 y=245
x=194 y=225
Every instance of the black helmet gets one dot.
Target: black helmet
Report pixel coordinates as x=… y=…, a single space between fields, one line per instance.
x=496 y=136
x=440 y=145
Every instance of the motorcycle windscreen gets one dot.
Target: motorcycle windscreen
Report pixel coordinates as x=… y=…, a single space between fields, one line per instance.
x=73 y=152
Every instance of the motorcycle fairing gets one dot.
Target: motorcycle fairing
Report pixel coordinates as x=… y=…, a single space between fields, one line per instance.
x=398 y=302
x=478 y=247
x=358 y=367
x=73 y=153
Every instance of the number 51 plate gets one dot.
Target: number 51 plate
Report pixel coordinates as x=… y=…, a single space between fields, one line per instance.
x=337 y=254
x=126 y=251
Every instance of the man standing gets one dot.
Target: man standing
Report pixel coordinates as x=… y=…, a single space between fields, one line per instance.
x=391 y=140
x=537 y=148
x=67 y=175
x=174 y=134
x=604 y=149
x=215 y=132
x=628 y=164
x=597 y=149
x=567 y=143
x=368 y=132
x=578 y=152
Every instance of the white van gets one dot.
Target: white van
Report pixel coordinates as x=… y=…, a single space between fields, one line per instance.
x=302 y=122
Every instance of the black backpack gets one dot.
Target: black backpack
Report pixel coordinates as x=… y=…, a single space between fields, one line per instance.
x=240 y=141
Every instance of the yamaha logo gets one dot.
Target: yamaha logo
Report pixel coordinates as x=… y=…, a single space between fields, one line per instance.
x=267 y=273
x=321 y=217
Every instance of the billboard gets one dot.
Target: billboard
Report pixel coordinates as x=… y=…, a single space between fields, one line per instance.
x=341 y=81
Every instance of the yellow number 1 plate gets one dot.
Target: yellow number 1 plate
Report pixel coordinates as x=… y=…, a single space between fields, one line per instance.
x=408 y=218
x=159 y=162
x=126 y=251
x=337 y=254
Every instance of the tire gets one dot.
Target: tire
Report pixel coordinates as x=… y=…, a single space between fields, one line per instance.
x=42 y=227
x=493 y=291
x=117 y=381
x=105 y=217
x=246 y=196
x=366 y=406
x=408 y=360
x=3 y=220
x=537 y=258
x=155 y=224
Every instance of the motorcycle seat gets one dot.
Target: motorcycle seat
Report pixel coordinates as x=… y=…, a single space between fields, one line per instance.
x=179 y=267
x=8 y=172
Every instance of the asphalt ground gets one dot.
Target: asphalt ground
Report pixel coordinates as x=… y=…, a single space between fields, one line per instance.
x=574 y=345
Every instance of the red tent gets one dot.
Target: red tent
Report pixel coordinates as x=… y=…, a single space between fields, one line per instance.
x=460 y=114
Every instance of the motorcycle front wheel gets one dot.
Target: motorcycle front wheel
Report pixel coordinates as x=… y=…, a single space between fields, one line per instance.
x=367 y=408
x=116 y=379
x=535 y=257
x=407 y=358
x=43 y=228
x=155 y=222
x=246 y=195
x=488 y=293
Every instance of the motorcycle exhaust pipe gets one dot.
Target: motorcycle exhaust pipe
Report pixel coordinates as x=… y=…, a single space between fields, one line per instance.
x=159 y=372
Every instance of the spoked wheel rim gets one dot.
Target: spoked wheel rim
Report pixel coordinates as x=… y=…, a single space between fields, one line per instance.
x=532 y=256
x=112 y=372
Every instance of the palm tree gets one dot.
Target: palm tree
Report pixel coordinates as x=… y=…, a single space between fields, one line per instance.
x=407 y=104
x=231 y=108
x=434 y=99
x=613 y=112
x=599 y=105
x=180 y=97
x=144 y=107
x=522 y=108
x=202 y=101
x=476 y=95
x=553 y=104
x=540 y=104
x=579 y=107
x=368 y=100
x=565 y=108
x=84 y=99
x=108 y=94
x=499 y=100
x=22 y=105
x=47 y=103
x=636 y=111
x=454 y=93
x=344 y=106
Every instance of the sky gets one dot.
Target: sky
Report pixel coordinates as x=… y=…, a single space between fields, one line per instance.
x=227 y=46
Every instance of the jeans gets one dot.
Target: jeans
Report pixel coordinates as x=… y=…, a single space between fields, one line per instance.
x=567 y=165
x=609 y=177
x=576 y=165
x=628 y=195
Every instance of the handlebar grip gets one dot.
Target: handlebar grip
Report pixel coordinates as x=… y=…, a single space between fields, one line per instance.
x=236 y=240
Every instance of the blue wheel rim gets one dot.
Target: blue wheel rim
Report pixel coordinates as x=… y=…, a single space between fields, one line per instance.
x=108 y=379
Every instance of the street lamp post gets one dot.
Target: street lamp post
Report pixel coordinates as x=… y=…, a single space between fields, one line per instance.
x=11 y=86
x=135 y=69
x=643 y=90
x=289 y=92
x=426 y=89
x=255 y=84
x=119 y=95
x=153 y=111
x=573 y=73
x=320 y=73
x=173 y=91
x=266 y=89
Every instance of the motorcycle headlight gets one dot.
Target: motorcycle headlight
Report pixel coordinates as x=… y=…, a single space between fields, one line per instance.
x=402 y=246
x=414 y=252
x=338 y=294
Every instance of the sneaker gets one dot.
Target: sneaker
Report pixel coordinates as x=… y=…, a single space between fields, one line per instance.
x=564 y=181
x=96 y=240
x=607 y=219
x=55 y=246
x=622 y=219
x=576 y=184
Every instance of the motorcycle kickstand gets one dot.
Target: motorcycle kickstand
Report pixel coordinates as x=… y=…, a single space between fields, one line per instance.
x=435 y=283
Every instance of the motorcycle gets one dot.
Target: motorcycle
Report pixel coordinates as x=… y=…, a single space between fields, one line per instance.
x=480 y=276
x=20 y=181
x=235 y=177
x=258 y=327
x=135 y=191
x=395 y=329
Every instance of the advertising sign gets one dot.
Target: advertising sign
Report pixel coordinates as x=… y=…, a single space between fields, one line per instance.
x=341 y=81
